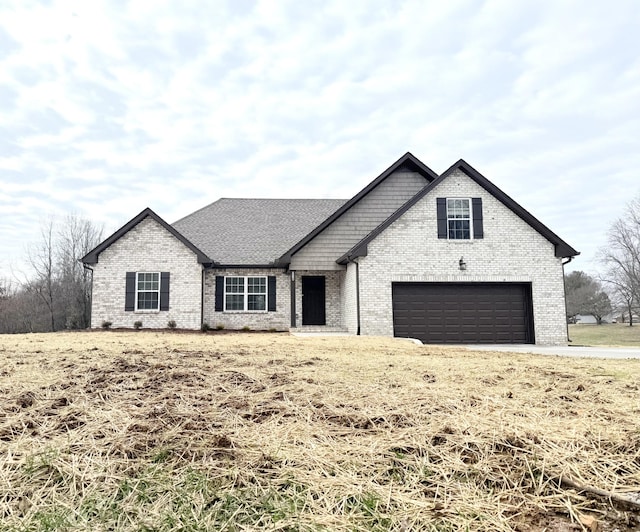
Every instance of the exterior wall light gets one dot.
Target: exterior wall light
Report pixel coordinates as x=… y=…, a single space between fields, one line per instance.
x=462 y=264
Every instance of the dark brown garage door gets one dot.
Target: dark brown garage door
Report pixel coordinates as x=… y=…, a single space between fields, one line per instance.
x=463 y=313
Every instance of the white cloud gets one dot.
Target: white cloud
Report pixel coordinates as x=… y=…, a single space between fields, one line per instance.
x=109 y=107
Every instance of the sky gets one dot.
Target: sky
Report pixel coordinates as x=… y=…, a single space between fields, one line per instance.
x=108 y=107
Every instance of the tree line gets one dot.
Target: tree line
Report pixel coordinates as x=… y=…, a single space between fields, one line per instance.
x=57 y=293
x=616 y=291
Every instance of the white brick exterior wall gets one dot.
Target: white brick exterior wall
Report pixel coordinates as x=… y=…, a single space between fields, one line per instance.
x=258 y=320
x=511 y=251
x=148 y=247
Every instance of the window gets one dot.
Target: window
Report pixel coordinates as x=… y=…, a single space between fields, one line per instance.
x=459 y=219
x=148 y=291
x=245 y=293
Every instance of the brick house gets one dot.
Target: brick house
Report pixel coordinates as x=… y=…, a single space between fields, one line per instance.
x=446 y=259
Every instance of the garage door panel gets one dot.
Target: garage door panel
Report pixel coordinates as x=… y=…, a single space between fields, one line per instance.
x=463 y=312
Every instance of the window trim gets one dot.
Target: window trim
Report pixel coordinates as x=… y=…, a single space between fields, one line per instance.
x=470 y=201
x=138 y=291
x=246 y=294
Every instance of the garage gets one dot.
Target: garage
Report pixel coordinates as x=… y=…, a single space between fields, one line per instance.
x=463 y=313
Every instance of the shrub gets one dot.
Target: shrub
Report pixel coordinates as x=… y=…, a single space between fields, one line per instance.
x=107 y=324
x=171 y=324
x=273 y=329
x=246 y=328
x=220 y=326
x=137 y=325
x=205 y=327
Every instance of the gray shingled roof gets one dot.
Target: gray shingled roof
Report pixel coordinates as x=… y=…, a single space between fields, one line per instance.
x=253 y=231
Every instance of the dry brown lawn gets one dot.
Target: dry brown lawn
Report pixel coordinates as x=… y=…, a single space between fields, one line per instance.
x=175 y=431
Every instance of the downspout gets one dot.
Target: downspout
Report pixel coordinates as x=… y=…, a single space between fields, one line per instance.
x=292 y=296
x=90 y=292
x=564 y=285
x=349 y=259
x=202 y=296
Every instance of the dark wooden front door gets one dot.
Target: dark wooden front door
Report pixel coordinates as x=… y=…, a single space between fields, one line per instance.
x=313 y=300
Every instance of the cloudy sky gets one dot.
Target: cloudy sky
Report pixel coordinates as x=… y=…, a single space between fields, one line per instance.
x=107 y=107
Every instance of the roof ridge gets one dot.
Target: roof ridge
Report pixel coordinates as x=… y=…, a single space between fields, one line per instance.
x=198 y=210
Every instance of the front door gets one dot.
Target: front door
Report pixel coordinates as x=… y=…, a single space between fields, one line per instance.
x=313 y=300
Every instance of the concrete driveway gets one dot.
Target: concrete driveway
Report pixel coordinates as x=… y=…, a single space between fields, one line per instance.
x=563 y=350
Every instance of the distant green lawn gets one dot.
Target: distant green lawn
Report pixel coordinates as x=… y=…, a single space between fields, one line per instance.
x=613 y=334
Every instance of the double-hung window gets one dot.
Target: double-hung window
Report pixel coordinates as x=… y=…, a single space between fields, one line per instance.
x=245 y=293
x=147 y=291
x=459 y=218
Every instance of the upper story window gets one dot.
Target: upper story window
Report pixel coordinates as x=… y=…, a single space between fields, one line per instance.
x=459 y=219
x=148 y=291
x=245 y=293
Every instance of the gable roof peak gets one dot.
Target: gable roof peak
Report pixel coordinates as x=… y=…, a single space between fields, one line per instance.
x=407 y=160
x=92 y=256
x=562 y=249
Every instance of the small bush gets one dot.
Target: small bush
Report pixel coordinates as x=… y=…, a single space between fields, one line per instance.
x=246 y=328
x=106 y=324
x=220 y=326
x=137 y=325
x=273 y=329
x=205 y=327
x=171 y=324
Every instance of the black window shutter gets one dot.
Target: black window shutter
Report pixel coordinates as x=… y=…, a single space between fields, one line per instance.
x=441 y=204
x=478 y=230
x=130 y=292
x=164 y=291
x=271 y=287
x=219 y=305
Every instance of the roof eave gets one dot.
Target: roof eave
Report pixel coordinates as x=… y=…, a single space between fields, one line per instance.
x=562 y=248
x=92 y=256
x=359 y=250
x=269 y=266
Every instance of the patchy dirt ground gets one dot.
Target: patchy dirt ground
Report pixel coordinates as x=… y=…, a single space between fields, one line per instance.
x=165 y=431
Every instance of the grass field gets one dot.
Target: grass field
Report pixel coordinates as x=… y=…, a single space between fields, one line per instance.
x=169 y=431
x=608 y=334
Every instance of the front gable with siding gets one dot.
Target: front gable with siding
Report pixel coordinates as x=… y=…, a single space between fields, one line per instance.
x=389 y=261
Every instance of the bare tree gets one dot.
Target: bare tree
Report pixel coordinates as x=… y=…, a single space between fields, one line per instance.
x=76 y=238
x=622 y=292
x=41 y=258
x=621 y=256
x=60 y=287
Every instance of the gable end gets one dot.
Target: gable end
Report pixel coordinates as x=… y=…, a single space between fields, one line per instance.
x=92 y=256
x=562 y=248
x=407 y=162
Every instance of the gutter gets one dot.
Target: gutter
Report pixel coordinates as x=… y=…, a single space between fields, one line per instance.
x=564 y=285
